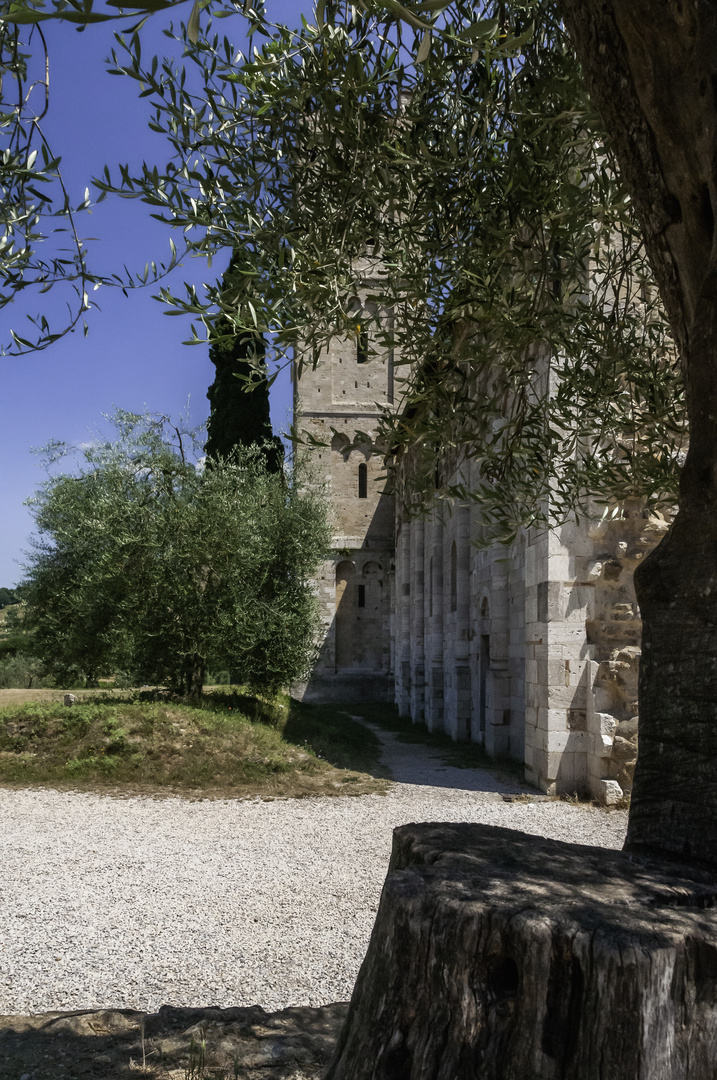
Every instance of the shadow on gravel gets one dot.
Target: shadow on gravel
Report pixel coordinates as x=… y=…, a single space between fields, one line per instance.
x=171 y=1044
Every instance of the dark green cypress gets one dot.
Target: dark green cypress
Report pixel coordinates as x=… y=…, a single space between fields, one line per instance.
x=238 y=418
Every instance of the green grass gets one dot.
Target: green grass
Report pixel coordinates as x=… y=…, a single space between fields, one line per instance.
x=331 y=732
x=233 y=745
x=327 y=730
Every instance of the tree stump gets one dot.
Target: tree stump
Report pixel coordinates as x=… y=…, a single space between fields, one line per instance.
x=501 y=956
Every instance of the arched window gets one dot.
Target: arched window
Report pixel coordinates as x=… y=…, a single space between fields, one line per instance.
x=362 y=481
x=454 y=577
x=361 y=345
x=344 y=574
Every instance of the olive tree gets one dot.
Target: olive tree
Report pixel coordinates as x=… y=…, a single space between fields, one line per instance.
x=148 y=562
x=515 y=222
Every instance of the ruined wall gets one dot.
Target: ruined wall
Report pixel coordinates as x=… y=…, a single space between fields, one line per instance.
x=621 y=541
x=530 y=649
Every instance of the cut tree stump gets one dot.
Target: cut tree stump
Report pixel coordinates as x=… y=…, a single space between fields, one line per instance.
x=501 y=956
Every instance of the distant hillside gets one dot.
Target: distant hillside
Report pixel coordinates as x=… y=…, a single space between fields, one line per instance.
x=8 y=596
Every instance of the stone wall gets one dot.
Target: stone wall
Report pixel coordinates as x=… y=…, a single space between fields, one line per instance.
x=620 y=541
x=460 y=629
x=530 y=649
x=344 y=395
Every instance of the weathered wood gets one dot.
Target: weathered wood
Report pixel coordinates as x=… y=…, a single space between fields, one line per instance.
x=502 y=956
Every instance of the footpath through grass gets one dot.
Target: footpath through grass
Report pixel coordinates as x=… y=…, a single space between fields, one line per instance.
x=233 y=746
x=461 y=755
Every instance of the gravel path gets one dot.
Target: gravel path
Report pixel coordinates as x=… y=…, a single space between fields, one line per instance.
x=131 y=903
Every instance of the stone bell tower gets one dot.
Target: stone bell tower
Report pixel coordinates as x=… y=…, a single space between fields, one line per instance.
x=345 y=394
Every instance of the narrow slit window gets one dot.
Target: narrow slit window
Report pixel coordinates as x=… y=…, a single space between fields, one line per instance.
x=362 y=482
x=430 y=588
x=362 y=345
x=362 y=596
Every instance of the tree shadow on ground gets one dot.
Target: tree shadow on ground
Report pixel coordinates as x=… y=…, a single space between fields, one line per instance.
x=335 y=736
x=191 y=1044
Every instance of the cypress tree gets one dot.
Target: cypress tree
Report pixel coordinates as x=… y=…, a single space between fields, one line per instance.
x=238 y=418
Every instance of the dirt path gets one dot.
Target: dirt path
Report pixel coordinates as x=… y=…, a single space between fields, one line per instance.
x=418 y=764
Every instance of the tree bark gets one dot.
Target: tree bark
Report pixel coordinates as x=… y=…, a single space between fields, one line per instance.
x=196 y=674
x=508 y=957
x=651 y=68
x=505 y=957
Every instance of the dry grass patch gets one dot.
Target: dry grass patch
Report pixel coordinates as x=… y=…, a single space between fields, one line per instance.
x=136 y=746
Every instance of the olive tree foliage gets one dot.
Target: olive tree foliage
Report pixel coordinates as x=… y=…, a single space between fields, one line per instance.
x=454 y=145
x=450 y=151
x=147 y=562
x=41 y=242
x=19 y=667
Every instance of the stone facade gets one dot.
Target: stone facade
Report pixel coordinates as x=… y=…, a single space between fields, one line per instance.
x=530 y=649
x=346 y=393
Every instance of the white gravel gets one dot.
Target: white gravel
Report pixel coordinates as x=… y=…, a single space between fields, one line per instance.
x=132 y=903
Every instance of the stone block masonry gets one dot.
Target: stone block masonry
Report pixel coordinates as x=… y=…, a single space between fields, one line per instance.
x=346 y=394
x=537 y=663
x=529 y=649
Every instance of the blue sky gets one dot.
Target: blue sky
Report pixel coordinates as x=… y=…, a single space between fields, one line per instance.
x=133 y=356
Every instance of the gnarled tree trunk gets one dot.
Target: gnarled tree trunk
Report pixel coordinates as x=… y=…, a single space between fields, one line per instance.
x=674 y=798
x=501 y=956
x=196 y=674
x=651 y=67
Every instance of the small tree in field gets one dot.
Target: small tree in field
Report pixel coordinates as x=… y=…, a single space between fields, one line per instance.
x=149 y=563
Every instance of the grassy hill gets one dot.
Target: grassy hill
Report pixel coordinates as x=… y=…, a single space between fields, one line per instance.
x=233 y=746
